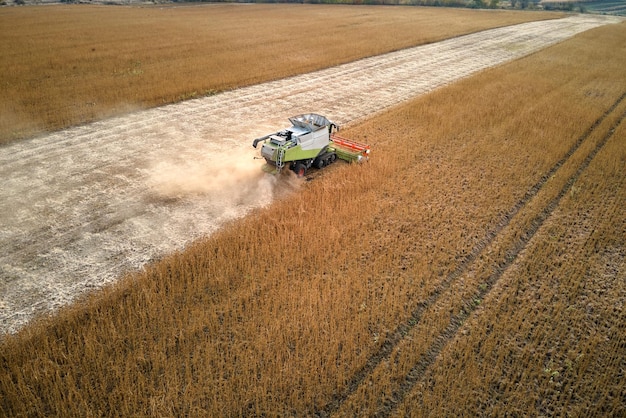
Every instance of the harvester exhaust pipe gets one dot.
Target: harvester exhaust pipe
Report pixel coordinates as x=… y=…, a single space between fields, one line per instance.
x=256 y=141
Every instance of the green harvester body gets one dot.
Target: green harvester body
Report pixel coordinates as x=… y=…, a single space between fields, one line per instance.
x=310 y=141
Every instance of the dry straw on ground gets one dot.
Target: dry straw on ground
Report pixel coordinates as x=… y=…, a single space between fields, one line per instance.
x=475 y=265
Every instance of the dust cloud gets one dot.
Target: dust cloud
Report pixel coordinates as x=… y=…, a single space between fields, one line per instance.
x=230 y=181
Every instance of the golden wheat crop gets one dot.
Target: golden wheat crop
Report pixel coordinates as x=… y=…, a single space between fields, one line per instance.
x=66 y=65
x=475 y=265
x=550 y=338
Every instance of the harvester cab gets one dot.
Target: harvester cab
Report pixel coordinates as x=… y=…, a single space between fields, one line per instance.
x=310 y=141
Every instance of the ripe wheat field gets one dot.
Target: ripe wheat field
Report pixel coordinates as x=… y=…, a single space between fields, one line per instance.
x=66 y=65
x=475 y=266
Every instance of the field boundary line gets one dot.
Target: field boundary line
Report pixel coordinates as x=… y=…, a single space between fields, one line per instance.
x=392 y=341
x=417 y=373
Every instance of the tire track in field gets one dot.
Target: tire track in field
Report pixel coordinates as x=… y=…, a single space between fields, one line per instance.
x=418 y=371
x=397 y=336
x=80 y=207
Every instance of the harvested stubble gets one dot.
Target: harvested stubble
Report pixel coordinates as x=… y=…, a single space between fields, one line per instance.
x=65 y=65
x=278 y=313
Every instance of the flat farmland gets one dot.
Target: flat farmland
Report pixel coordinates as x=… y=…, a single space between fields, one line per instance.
x=65 y=65
x=474 y=266
x=82 y=206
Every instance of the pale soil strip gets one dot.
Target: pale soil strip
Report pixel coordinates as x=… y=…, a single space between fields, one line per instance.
x=81 y=206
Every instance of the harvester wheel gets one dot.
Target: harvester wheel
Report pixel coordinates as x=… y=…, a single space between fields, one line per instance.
x=320 y=163
x=332 y=158
x=300 y=169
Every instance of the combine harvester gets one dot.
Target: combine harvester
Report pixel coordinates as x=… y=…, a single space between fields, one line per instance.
x=311 y=141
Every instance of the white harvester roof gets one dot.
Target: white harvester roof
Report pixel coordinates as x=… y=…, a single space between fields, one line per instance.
x=310 y=121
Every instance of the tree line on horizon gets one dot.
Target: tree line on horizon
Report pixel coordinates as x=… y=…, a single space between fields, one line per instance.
x=474 y=4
